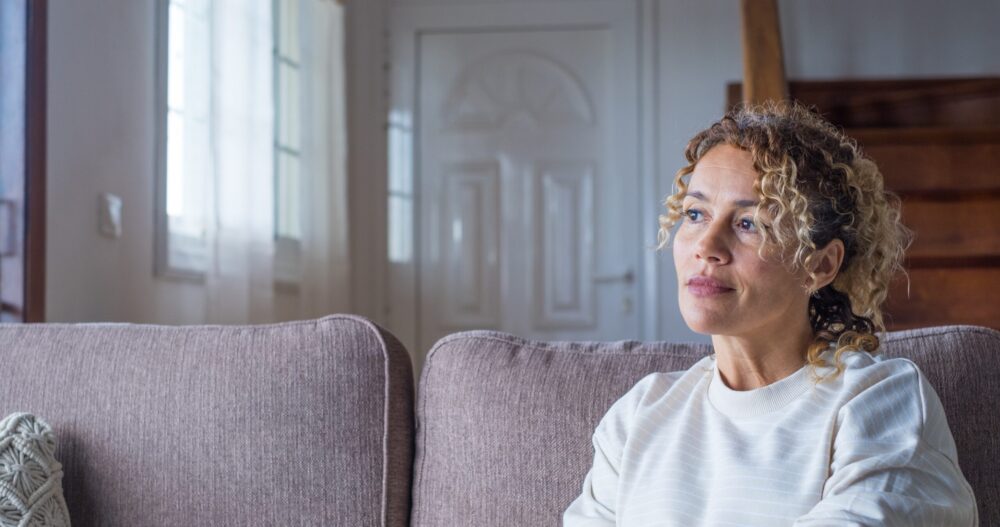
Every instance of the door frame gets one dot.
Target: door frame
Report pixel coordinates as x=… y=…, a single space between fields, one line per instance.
x=407 y=23
x=35 y=116
x=30 y=244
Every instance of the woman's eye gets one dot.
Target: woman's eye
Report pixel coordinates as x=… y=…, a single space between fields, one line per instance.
x=746 y=224
x=692 y=214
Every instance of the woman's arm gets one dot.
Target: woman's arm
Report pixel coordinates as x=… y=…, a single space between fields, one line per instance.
x=894 y=461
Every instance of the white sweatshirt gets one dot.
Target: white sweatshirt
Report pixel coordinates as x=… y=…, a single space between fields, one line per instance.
x=869 y=448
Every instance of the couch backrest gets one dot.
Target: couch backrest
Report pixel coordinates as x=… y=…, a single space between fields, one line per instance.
x=504 y=424
x=302 y=423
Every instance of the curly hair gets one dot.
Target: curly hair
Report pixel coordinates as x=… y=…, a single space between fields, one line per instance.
x=814 y=185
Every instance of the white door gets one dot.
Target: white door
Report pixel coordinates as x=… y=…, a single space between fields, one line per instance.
x=527 y=170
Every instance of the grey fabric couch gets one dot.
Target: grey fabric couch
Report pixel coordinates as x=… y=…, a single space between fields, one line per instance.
x=298 y=424
x=315 y=422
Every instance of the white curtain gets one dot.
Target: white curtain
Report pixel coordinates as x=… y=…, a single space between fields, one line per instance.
x=240 y=282
x=325 y=259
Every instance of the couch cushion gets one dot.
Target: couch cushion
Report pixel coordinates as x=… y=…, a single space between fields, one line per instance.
x=504 y=424
x=301 y=423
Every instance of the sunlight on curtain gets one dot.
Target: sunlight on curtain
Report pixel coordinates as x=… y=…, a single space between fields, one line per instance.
x=248 y=211
x=239 y=282
x=325 y=255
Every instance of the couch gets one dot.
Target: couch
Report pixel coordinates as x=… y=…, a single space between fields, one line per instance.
x=319 y=422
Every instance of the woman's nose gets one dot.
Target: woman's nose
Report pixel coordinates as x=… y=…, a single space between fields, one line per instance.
x=712 y=245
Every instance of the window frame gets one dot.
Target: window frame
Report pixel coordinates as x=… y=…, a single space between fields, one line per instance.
x=287 y=250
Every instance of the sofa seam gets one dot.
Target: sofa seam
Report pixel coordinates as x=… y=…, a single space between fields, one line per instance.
x=419 y=407
x=384 y=348
x=177 y=327
x=977 y=330
x=386 y=394
x=528 y=344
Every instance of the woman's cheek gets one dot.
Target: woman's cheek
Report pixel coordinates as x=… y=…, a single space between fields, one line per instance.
x=679 y=245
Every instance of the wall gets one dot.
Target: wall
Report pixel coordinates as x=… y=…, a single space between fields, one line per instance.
x=101 y=139
x=890 y=38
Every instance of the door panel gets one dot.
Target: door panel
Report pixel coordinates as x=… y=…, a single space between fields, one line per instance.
x=563 y=244
x=469 y=275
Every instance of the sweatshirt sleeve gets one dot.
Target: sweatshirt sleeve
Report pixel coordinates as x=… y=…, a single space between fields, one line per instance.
x=596 y=506
x=894 y=460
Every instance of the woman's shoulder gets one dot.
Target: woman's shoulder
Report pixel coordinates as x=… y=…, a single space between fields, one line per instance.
x=880 y=386
x=649 y=391
x=658 y=383
x=655 y=385
x=863 y=369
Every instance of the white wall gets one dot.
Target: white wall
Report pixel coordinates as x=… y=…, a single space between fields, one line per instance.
x=890 y=38
x=101 y=139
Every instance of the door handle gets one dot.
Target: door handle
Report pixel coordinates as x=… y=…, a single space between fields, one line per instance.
x=628 y=277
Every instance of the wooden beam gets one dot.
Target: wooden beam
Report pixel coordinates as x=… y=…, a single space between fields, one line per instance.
x=763 y=65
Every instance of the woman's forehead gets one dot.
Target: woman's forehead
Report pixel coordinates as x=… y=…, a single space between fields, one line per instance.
x=724 y=172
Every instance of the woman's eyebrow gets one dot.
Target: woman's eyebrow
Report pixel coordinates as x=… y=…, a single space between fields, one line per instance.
x=741 y=203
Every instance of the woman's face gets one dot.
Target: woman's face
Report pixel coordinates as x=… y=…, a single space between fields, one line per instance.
x=725 y=287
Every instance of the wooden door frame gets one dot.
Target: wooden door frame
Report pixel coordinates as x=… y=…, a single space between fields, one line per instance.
x=30 y=136
x=36 y=87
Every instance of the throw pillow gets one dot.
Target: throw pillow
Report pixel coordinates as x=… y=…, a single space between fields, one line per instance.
x=30 y=477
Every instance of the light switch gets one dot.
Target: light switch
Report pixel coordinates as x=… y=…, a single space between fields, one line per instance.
x=110 y=216
x=8 y=227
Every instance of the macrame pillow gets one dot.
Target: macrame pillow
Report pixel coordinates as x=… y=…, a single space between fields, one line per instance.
x=30 y=477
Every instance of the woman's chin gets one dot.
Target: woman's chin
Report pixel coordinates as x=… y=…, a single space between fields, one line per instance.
x=706 y=323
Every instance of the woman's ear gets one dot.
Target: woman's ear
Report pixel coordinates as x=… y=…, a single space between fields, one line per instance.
x=826 y=264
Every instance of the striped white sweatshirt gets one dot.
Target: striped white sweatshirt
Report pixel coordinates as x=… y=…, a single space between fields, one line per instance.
x=869 y=448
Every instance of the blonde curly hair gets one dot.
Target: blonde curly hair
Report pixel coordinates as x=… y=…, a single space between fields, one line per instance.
x=814 y=185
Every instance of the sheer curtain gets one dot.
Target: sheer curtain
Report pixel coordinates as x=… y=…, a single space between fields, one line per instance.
x=325 y=258
x=239 y=281
x=240 y=284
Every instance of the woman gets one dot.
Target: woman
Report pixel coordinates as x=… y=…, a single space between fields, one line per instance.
x=784 y=248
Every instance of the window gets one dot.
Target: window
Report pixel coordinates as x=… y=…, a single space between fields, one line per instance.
x=287 y=143
x=287 y=137
x=184 y=149
x=185 y=163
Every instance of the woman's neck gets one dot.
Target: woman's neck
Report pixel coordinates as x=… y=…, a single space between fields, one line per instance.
x=749 y=362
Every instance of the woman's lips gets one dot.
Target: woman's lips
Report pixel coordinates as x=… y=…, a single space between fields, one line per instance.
x=703 y=286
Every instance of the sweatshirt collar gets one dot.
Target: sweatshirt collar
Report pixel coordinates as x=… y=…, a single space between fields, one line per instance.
x=759 y=401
